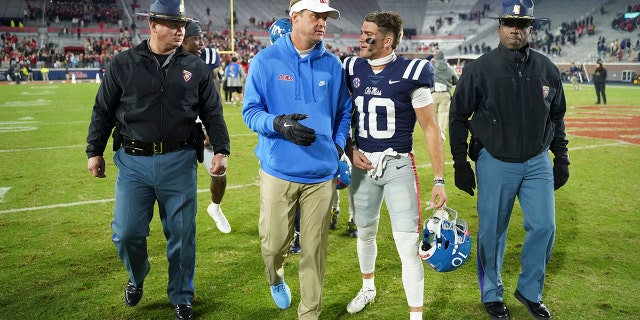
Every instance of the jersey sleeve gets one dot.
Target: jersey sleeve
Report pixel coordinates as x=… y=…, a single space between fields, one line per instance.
x=211 y=58
x=422 y=72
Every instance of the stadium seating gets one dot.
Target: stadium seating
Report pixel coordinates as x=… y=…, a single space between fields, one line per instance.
x=418 y=15
x=12 y=8
x=558 y=12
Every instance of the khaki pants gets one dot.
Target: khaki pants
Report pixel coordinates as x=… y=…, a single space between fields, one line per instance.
x=279 y=200
x=442 y=102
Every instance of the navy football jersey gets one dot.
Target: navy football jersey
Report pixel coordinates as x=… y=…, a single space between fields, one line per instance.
x=383 y=113
x=211 y=57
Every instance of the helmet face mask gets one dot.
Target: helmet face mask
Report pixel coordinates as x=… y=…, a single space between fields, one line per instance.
x=446 y=241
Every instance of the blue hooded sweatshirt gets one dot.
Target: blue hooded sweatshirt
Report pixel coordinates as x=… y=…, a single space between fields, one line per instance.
x=280 y=82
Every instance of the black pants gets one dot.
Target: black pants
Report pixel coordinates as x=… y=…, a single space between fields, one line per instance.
x=599 y=91
x=227 y=92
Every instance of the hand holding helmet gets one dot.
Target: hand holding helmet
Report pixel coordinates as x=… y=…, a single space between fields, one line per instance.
x=446 y=241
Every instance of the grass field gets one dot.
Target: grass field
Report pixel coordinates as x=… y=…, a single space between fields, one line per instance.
x=57 y=260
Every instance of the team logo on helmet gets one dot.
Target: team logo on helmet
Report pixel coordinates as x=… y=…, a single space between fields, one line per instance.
x=279 y=28
x=446 y=243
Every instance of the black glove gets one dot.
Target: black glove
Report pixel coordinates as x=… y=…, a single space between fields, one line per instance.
x=293 y=131
x=464 y=177
x=560 y=171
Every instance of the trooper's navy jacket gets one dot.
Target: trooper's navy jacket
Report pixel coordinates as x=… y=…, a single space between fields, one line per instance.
x=516 y=107
x=156 y=104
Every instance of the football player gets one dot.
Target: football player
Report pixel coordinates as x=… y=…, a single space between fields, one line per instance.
x=193 y=43
x=390 y=93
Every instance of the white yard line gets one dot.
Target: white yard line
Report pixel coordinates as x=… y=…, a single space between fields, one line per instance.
x=43 y=148
x=80 y=203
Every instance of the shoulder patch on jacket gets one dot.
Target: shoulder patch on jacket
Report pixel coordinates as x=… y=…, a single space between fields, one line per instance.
x=186 y=75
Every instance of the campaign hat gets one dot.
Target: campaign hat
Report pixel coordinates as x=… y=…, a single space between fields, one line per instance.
x=167 y=10
x=517 y=9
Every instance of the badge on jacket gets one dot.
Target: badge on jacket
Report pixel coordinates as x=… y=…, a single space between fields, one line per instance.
x=186 y=75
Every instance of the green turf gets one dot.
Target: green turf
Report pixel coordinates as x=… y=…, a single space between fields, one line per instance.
x=57 y=260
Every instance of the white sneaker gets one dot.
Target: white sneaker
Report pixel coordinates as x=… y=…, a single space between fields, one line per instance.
x=221 y=221
x=364 y=297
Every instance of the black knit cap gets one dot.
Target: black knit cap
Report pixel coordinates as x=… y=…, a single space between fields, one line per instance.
x=192 y=29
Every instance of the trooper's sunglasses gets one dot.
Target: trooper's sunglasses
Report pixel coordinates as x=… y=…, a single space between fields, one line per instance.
x=518 y=23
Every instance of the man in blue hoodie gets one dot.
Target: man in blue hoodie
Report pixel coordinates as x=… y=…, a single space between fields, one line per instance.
x=297 y=100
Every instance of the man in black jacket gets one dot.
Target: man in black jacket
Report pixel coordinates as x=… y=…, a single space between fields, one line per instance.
x=516 y=103
x=152 y=94
x=599 y=80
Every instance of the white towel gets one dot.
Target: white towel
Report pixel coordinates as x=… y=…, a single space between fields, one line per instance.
x=379 y=161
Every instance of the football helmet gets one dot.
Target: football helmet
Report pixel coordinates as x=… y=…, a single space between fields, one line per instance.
x=278 y=28
x=344 y=175
x=446 y=243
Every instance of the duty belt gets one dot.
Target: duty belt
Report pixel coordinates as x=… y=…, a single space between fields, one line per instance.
x=143 y=148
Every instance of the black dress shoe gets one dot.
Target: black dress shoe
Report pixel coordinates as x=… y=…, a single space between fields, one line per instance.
x=497 y=310
x=132 y=294
x=537 y=309
x=184 y=312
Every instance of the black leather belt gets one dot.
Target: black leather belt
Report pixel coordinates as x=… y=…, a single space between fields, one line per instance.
x=143 y=148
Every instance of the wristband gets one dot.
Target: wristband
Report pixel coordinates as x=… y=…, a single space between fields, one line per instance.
x=437 y=181
x=222 y=154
